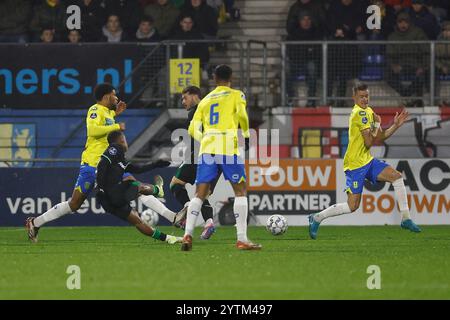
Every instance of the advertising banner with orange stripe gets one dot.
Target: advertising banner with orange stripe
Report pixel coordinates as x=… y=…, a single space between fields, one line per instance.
x=293 y=187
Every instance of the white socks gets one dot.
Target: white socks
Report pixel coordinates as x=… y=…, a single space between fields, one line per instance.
x=240 y=212
x=400 y=193
x=194 y=209
x=335 y=210
x=157 y=206
x=61 y=209
x=343 y=208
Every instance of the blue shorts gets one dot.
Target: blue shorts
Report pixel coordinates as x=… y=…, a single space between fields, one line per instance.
x=86 y=179
x=356 y=178
x=209 y=167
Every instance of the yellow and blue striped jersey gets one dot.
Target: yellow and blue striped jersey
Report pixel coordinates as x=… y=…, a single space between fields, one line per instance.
x=220 y=114
x=99 y=122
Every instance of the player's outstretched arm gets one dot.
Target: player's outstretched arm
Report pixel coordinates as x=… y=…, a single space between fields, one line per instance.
x=95 y=127
x=399 y=120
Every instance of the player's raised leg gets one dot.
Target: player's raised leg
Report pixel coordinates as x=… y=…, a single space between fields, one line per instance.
x=148 y=194
x=352 y=204
x=391 y=175
x=134 y=219
x=85 y=182
x=354 y=188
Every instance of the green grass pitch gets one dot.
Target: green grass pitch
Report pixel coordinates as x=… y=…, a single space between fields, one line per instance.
x=119 y=263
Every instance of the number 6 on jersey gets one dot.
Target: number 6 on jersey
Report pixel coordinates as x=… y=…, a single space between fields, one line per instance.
x=213 y=116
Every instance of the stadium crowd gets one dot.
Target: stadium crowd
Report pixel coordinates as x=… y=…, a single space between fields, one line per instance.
x=345 y=20
x=112 y=20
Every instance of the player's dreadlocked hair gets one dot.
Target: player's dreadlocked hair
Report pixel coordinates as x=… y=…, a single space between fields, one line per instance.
x=114 y=136
x=101 y=89
x=192 y=90
x=360 y=87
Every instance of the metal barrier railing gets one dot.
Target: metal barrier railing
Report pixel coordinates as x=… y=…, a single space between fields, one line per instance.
x=398 y=71
x=262 y=66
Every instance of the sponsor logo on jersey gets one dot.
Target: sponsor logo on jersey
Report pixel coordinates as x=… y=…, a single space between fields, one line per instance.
x=112 y=151
x=362 y=113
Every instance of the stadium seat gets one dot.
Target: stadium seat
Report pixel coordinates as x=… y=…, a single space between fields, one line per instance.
x=444 y=77
x=372 y=68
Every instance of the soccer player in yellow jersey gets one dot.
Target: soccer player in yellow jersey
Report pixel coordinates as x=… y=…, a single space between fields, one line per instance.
x=359 y=164
x=99 y=122
x=220 y=114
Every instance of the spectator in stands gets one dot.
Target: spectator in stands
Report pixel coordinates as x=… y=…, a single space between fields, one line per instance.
x=304 y=59
x=147 y=31
x=112 y=31
x=164 y=15
x=422 y=18
x=93 y=17
x=129 y=12
x=407 y=61
x=187 y=31
x=47 y=35
x=51 y=13
x=74 y=36
x=387 y=22
x=204 y=17
x=443 y=51
x=348 y=16
x=14 y=20
x=315 y=9
x=346 y=21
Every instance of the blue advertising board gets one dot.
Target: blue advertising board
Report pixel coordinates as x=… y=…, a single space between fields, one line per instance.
x=29 y=192
x=30 y=77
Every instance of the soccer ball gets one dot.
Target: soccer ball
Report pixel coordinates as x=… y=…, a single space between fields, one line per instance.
x=276 y=224
x=150 y=217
